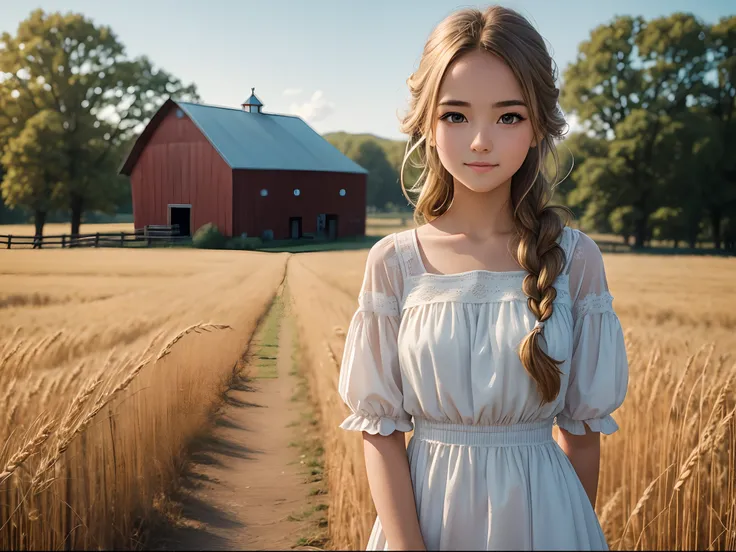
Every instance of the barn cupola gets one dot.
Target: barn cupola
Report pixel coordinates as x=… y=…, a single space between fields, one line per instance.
x=252 y=104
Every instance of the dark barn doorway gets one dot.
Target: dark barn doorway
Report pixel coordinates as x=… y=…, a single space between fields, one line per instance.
x=181 y=215
x=331 y=221
x=295 y=228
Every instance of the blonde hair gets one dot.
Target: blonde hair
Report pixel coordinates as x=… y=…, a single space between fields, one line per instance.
x=508 y=35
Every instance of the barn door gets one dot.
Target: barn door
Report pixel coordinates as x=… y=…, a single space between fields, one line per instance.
x=332 y=226
x=295 y=228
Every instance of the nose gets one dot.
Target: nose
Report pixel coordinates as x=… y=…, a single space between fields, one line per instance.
x=482 y=142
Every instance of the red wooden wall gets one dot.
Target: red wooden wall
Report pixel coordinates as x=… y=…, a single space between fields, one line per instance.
x=178 y=165
x=319 y=194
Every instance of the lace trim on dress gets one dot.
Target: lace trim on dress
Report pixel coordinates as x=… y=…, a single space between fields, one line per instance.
x=408 y=253
x=474 y=286
x=593 y=303
x=380 y=303
x=478 y=287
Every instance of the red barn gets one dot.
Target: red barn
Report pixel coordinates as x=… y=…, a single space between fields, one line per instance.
x=246 y=171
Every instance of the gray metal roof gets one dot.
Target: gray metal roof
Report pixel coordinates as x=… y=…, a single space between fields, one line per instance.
x=267 y=141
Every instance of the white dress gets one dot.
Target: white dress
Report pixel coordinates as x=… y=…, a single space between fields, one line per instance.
x=438 y=354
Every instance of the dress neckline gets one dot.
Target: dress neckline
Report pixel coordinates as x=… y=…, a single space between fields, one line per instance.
x=425 y=272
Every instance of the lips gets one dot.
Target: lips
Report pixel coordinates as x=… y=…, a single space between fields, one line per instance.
x=480 y=165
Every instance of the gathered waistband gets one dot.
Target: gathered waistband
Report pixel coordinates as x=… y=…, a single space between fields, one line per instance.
x=483 y=435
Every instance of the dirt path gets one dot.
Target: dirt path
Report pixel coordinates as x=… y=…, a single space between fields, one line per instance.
x=246 y=486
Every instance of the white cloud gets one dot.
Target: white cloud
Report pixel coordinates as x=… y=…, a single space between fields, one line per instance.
x=292 y=91
x=316 y=109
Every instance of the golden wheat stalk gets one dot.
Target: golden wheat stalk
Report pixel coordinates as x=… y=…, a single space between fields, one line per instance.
x=201 y=326
x=610 y=506
x=77 y=405
x=7 y=356
x=68 y=433
x=30 y=447
x=703 y=445
x=645 y=496
x=681 y=383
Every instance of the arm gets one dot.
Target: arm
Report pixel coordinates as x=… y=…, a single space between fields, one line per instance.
x=389 y=479
x=371 y=385
x=584 y=452
x=598 y=369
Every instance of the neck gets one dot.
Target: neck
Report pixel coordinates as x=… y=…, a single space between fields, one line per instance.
x=480 y=215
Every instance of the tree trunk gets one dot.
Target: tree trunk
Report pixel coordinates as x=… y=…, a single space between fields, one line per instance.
x=715 y=223
x=39 y=219
x=640 y=232
x=76 y=207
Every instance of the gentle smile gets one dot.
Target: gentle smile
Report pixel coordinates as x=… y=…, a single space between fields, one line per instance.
x=481 y=167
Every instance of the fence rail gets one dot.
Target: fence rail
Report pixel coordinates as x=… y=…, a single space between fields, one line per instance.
x=140 y=237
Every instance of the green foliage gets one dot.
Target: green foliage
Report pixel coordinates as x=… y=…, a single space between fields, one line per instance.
x=661 y=123
x=669 y=224
x=621 y=220
x=65 y=64
x=36 y=167
x=208 y=236
x=382 y=159
x=244 y=243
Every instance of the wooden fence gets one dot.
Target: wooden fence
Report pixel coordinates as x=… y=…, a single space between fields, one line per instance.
x=140 y=237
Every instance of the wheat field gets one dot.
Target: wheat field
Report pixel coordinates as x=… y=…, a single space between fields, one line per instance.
x=667 y=477
x=110 y=361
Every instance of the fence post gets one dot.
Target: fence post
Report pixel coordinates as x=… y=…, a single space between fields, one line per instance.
x=10 y=238
x=122 y=239
x=97 y=239
x=63 y=241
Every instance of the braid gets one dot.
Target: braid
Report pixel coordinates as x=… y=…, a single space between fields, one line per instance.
x=538 y=227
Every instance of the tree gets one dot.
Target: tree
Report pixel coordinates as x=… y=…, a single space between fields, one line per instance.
x=574 y=151
x=67 y=64
x=669 y=224
x=36 y=166
x=720 y=195
x=382 y=180
x=621 y=220
x=631 y=81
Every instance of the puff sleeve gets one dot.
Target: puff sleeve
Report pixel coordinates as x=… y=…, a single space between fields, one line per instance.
x=599 y=371
x=370 y=381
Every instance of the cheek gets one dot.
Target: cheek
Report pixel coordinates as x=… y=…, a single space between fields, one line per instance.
x=450 y=144
x=514 y=142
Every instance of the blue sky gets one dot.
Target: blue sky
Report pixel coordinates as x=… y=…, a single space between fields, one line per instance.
x=340 y=65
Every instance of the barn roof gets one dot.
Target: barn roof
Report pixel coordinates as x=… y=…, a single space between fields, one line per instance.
x=246 y=140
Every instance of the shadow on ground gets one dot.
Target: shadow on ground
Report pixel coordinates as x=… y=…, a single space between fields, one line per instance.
x=191 y=523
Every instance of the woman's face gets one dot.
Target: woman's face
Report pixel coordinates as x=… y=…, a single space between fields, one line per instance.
x=481 y=118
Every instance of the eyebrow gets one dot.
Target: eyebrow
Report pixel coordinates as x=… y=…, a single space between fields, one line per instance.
x=504 y=103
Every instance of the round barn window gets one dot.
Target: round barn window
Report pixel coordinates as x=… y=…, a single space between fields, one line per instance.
x=342 y=192
x=264 y=192
x=297 y=192
x=179 y=113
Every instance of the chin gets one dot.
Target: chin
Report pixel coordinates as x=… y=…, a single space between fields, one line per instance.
x=481 y=183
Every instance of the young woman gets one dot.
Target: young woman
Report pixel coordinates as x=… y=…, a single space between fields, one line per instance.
x=488 y=323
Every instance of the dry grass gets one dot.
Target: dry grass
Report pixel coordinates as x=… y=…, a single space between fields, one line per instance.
x=667 y=477
x=106 y=380
x=110 y=359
